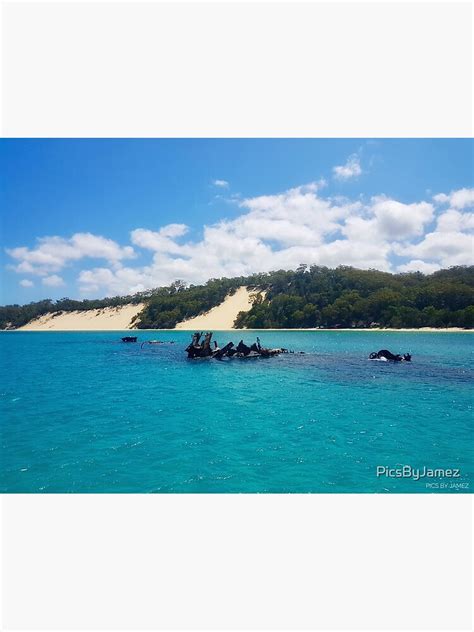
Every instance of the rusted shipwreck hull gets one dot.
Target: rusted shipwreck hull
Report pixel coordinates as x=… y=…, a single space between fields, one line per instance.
x=202 y=346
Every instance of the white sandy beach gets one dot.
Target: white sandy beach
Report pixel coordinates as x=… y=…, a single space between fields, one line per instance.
x=218 y=318
x=106 y=319
x=221 y=317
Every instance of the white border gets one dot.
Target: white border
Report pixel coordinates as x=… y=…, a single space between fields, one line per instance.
x=237 y=69
x=299 y=562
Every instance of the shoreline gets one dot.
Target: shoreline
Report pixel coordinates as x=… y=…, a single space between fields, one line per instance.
x=427 y=330
x=219 y=318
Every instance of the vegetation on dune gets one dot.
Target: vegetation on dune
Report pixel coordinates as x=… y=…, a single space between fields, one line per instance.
x=13 y=316
x=170 y=305
x=308 y=297
x=347 y=297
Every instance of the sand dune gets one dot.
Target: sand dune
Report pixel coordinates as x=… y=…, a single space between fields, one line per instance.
x=108 y=318
x=221 y=317
x=218 y=318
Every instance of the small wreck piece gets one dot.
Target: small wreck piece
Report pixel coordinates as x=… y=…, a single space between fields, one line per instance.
x=129 y=339
x=157 y=342
x=388 y=356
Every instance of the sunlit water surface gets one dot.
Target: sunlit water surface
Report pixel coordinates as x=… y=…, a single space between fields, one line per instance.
x=84 y=412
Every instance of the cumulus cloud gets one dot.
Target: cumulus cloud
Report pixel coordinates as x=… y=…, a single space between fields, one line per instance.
x=26 y=283
x=53 y=280
x=273 y=231
x=460 y=199
x=223 y=184
x=279 y=230
x=53 y=253
x=351 y=169
x=159 y=241
x=453 y=221
x=295 y=217
x=441 y=198
x=416 y=265
x=401 y=221
x=444 y=247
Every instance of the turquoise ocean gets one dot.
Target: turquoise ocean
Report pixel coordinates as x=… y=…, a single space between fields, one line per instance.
x=84 y=412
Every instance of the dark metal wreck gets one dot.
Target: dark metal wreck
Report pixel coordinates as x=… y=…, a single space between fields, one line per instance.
x=204 y=349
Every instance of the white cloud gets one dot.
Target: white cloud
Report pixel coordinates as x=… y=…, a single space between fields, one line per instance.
x=223 y=184
x=282 y=230
x=385 y=220
x=360 y=254
x=53 y=253
x=274 y=231
x=88 y=245
x=122 y=280
x=441 y=198
x=351 y=169
x=398 y=221
x=53 y=281
x=295 y=217
x=416 y=265
x=446 y=248
x=462 y=198
x=450 y=243
x=174 y=230
x=159 y=241
x=452 y=221
x=26 y=283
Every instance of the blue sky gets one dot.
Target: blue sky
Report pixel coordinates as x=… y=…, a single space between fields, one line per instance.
x=88 y=218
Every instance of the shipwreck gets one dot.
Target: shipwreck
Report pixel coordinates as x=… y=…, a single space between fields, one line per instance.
x=202 y=346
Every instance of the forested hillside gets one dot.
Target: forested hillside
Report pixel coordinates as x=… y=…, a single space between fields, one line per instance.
x=347 y=297
x=308 y=297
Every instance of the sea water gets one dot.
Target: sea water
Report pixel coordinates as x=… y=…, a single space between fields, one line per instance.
x=85 y=412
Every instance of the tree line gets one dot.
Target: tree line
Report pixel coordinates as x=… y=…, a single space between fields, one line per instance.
x=14 y=316
x=347 y=297
x=311 y=296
